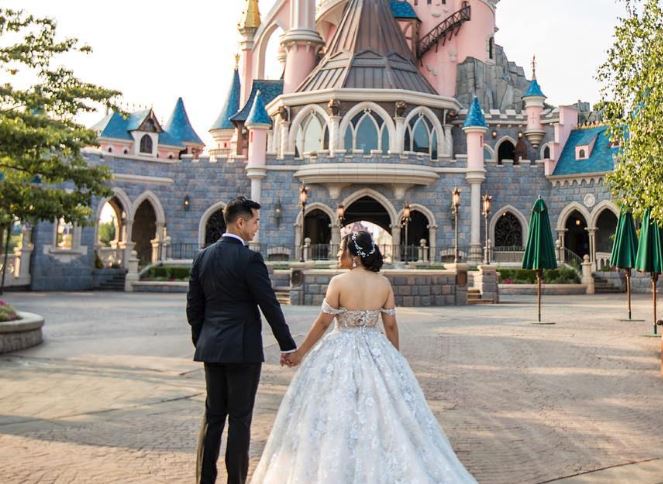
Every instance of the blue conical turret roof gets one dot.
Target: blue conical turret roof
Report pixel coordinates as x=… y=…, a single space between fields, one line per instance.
x=258 y=116
x=534 y=90
x=231 y=106
x=179 y=126
x=475 y=118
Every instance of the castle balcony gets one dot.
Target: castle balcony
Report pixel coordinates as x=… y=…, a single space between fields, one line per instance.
x=336 y=176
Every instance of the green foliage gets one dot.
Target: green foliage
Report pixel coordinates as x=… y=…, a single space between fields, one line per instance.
x=550 y=276
x=106 y=233
x=45 y=176
x=7 y=313
x=632 y=102
x=167 y=273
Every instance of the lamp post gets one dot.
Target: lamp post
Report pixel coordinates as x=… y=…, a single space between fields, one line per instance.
x=487 y=205
x=455 y=207
x=405 y=222
x=340 y=217
x=303 y=197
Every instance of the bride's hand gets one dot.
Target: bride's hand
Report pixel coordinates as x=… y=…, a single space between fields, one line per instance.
x=294 y=359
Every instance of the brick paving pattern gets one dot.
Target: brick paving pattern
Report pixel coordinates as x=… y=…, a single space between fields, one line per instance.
x=112 y=396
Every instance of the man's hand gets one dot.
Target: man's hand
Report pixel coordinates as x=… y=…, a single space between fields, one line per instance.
x=284 y=359
x=291 y=359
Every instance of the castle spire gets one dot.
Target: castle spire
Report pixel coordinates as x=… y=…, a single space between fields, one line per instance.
x=250 y=16
x=534 y=67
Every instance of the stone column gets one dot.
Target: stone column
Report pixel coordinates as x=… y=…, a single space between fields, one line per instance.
x=335 y=143
x=132 y=274
x=448 y=144
x=476 y=174
x=127 y=245
x=396 y=243
x=301 y=44
x=592 y=246
x=475 y=179
x=560 y=237
x=400 y=135
x=432 y=236
x=285 y=132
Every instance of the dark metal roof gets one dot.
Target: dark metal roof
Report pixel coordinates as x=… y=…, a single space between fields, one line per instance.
x=368 y=51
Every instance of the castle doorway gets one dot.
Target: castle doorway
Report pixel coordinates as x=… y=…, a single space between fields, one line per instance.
x=144 y=231
x=576 y=237
x=317 y=227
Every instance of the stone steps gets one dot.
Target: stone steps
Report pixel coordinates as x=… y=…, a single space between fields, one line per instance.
x=474 y=297
x=283 y=295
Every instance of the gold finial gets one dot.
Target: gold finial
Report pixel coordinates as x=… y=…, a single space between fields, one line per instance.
x=534 y=67
x=251 y=16
x=237 y=61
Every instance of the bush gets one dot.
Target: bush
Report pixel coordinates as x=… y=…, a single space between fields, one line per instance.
x=7 y=313
x=167 y=273
x=562 y=275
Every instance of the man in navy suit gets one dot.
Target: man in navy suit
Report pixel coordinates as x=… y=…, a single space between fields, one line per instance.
x=229 y=282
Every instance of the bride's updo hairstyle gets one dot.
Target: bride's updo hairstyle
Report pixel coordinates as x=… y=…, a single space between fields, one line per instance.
x=360 y=244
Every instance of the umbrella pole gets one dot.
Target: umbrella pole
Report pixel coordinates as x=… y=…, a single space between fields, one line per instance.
x=628 y=290
x=538 y=281
x=654 y=280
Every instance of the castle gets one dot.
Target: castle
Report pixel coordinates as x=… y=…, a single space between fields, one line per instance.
x=383 y=109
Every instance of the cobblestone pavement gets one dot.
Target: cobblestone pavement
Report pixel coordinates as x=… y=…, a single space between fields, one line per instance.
x=112 y=396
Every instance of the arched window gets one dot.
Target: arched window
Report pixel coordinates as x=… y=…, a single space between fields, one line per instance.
x=507 y=151
x=146 y=144
x=367 y=131
x=313 y=135
x=508 y=232
x=546 y=153
x=581 y=154
x=491 y=48
x=421 y=137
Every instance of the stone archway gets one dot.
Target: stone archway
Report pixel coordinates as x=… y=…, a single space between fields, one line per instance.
x=606 y=226
x=576 y=236
x=144 y=231
x=215 y=227
x=318 y=228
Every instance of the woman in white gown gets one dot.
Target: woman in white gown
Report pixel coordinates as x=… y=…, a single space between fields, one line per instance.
x=354 y=412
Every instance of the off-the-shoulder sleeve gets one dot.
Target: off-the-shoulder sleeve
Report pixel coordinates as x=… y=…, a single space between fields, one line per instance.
x=389 y=311
x=327 y=309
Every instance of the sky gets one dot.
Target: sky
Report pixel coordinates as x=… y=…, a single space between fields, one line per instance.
x=155 y=51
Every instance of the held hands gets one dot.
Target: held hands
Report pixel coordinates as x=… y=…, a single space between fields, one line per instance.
x=291 y=359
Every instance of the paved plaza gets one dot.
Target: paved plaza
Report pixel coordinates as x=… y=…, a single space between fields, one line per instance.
x=112 y=396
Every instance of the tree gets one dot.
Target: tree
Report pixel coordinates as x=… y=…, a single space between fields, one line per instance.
x=632 y=100
x=43 y=175
x=107 y=232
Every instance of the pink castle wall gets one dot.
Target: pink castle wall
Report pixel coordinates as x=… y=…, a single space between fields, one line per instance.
x=439 y=65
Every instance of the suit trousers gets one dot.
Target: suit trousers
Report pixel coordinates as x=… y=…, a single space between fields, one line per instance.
x=231 y=393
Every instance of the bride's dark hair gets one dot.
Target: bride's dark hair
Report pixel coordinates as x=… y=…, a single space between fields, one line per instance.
x=360 y=244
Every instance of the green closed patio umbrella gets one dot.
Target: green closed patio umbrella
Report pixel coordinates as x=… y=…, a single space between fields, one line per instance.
x=540 y=250
x=650 y=253
x=625 y=250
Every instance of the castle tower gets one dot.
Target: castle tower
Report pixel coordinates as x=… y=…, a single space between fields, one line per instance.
x=258 y=123
x=301 y=44
x=179 y=127
x=223 y=129
x=534 y=103
x=247 y=29
x=475 y=128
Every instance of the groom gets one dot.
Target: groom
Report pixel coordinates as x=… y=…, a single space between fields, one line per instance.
x=228 y=283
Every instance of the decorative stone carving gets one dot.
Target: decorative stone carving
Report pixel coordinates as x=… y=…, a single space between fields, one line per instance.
x=400 y=108
x=284 y=113
x=589 y=200
x=334 y=107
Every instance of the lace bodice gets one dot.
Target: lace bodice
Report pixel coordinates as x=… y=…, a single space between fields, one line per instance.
x=356 y=318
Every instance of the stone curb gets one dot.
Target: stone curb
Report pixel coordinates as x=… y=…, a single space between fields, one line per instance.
x=22 y=333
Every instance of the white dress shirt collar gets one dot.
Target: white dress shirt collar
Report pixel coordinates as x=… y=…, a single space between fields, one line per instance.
x=228 y=234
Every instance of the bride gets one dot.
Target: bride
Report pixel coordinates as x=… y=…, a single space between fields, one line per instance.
x=354 y=412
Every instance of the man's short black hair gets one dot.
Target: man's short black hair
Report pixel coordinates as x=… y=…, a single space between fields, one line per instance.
x=239 y=207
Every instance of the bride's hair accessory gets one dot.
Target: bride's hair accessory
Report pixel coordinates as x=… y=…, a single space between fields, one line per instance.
x=360 y=251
